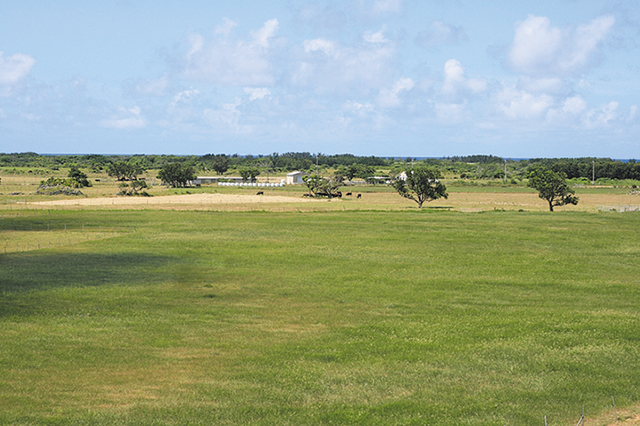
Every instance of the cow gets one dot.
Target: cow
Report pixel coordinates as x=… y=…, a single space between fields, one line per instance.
x=348 y=194
x=260 y=193
x=359 y=196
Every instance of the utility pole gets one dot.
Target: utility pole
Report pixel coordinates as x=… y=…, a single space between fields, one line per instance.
x=505 y=170
x=593 y=172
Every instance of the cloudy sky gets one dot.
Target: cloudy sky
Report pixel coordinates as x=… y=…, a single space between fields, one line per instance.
x=550 y=78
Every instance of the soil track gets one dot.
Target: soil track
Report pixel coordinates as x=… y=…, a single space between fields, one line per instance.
x=177 y=199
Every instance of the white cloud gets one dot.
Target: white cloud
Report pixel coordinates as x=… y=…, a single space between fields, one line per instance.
x=231 y=62
x=450 y=112
x=441 y=33
x=319 y=44
x=196 y=42
x=455 y=80
x=538 y=49
x=518 y=104
x=377 y=37
x=361 y=109
x=379 y=7
x=14 y=68
x=572 y=111
x=150 y=87
x=327 y=67
x=256 y=93
x=267 y=32
x=603 y=116
x=574 y=105
x=550 y=86
x=185 y=97
x=226 y=27
x=383 y=6
x=390 y=97
x=126 y=119
x=228 y=114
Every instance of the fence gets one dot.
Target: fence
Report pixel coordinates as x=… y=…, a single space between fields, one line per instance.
x=256 y=184
x=581 y=420
x=18 y=236
x=622 y=208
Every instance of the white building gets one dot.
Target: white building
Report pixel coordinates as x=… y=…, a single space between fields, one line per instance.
x=294 y=178
x=215 y=179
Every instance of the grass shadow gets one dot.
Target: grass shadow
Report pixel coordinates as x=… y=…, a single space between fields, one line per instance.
x=27 y=272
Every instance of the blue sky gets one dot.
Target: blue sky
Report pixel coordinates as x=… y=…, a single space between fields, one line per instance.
x=370 y=77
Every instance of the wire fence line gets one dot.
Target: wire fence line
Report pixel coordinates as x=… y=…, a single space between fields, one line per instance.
x=8 y=225
x=19 y=236
x=620 y=208
x=581 y=421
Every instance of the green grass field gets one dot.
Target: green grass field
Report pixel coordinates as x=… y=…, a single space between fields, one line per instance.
x=345 y=318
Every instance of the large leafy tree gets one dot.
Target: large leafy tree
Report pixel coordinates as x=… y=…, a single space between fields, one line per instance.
x=220 y=163
x=421 y=185
x=552 y=186
x=249 y=173
x=362 y=171
x=78 y=177
x=321 y=187
x=125 y=170
x=176 y=174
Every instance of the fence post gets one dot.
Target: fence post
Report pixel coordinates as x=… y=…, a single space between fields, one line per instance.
x=615 y=412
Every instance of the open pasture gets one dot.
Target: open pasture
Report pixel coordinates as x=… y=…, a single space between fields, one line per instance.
x=333 y=317
x=292 y=200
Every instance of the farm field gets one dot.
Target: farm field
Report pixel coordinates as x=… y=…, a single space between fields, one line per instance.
x=387 y=316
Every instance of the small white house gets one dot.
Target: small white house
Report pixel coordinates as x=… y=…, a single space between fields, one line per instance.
x=294 y=178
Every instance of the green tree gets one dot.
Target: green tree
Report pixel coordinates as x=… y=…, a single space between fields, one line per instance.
x=249 y=173
x=421 y=184
x=176 y=174
x=220 y=163
x=552 y=186
x=136 y=186
x=321 y=187
x=274 y=160
x=78 y=177
x=122 y=170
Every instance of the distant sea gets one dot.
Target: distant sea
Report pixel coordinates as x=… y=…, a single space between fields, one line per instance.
x=395 y=157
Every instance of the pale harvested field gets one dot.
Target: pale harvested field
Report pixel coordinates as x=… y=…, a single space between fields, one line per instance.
x=469 y=202
x=189 y=199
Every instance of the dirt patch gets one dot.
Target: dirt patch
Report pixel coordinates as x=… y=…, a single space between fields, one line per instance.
x=178 y=199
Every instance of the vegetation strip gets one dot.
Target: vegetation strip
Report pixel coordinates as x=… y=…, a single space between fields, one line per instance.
x=356 y=317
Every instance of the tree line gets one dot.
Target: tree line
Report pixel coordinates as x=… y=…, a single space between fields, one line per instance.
x=128 y=167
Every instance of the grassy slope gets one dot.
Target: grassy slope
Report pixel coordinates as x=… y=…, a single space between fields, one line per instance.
x=323 y=318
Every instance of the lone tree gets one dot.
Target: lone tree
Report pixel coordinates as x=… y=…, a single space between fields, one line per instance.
x=176 y=174
x=552 y=186
x=122 y=170
x=220 y=163
x=321 y=187
x=78 y=178
x=249 y=173
x=421 y=184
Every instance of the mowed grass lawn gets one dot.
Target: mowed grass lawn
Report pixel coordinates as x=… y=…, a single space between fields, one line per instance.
x=346 y=318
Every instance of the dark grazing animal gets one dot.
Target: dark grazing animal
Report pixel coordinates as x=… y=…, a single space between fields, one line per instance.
x=260 y=193
x=359 y=196
x=348 y=194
